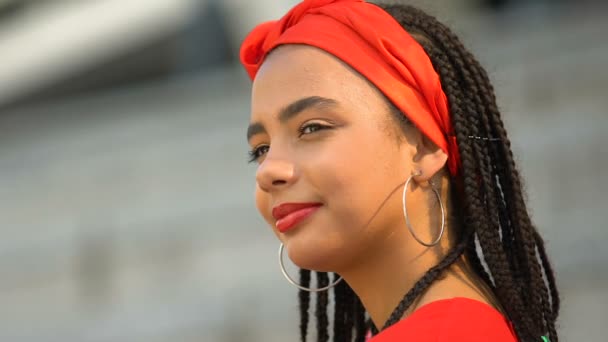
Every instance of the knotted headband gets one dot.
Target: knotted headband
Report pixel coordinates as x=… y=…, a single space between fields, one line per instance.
x=372 y=42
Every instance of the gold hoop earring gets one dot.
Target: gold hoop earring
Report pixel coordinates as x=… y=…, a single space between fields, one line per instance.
x=407 y=219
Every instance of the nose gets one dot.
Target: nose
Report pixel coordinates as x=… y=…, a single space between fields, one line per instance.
x=275 y=174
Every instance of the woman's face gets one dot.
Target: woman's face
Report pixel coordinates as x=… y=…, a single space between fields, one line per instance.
x=330 y=166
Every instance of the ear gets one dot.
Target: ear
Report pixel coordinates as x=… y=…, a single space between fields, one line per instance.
x=429 y=159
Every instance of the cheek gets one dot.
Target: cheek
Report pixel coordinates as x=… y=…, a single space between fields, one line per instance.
x=356 y=176
x=262 y=201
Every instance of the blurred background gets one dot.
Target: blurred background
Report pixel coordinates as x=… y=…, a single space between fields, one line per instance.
x=126 y=203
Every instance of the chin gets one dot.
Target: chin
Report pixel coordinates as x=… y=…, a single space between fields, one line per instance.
x=314 y=253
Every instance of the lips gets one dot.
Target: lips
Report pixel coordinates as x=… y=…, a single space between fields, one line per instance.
x=288 y=215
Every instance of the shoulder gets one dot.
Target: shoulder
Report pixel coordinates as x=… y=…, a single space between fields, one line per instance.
x=456 y=319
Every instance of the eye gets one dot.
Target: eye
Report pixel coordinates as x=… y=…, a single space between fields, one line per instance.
x=311 y=128
x=257 y=153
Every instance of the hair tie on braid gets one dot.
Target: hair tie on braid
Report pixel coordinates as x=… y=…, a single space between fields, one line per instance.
x=485 y=139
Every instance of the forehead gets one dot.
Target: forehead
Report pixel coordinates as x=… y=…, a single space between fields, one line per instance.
x=292 y=72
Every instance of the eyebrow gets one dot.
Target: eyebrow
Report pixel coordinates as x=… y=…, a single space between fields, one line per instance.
x=292 y=110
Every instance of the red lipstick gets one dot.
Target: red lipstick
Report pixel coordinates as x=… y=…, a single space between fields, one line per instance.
x=289 y=215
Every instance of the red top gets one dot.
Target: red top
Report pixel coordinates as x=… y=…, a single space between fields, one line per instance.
x=454 y=320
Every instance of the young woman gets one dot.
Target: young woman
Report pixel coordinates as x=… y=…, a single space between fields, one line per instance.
x=382 y=159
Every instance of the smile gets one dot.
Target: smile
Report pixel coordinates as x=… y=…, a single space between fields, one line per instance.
x=288 y=215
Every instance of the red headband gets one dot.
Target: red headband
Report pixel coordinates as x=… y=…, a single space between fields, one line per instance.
x=369 y=40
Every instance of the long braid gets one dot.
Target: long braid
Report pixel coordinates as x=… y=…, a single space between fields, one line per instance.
x=304 y=301
x=342 y=308
x=321 y=309
x=361 y=327
x=555 y=302
x=350 y=323
x=339 y=311
x=475 y=262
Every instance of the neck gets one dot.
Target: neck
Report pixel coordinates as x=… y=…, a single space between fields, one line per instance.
x=380 y=287
x=381 y=279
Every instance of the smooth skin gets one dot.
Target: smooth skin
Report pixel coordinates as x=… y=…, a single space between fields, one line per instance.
x=320 y=132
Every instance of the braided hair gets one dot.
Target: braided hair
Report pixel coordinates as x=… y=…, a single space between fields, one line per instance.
x=511 y=258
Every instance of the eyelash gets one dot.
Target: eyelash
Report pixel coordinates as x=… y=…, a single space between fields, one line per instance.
x=256 y=153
